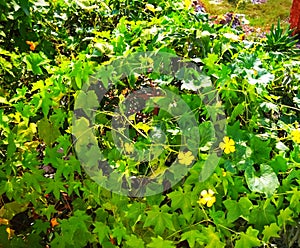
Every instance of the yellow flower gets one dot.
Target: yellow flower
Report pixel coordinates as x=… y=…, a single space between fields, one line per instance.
x=186 y=157
x=129 y=148
x=207 y=198
x=296 y=135
x=227 y=145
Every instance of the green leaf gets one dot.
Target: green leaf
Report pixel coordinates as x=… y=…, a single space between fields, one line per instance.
x=238 y=209
x=238 y=110
x=192 y=237
x=205 y=132
x=294 y=201
x=75 y=229
x=260 y=150
x=182 y=200
x=262 y=215
x=119 y=232
x=48 y=211
x=236 y=132
x=55 y=187
x=46 y=103
x=133 y=241
x=41 y=226
x=285 y=217
x=209 y=167
x=101 y=230
x=270 y=231
x=47 y=131
x=279 y=164
x=34 y=61
x=248 y=239
x=11 y=148
x=160 y=243
x=212 y=238
x=265 y=181
x=159 y=219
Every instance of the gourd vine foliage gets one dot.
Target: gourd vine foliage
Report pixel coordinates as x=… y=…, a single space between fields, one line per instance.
x=49 y=50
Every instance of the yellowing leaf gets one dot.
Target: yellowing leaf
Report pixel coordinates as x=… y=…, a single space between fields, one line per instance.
x=4 y=221
x=10 y=232
x=143 y=126
x=47 y=131
x=131 y=117
x=3 y=100
x=39 y=85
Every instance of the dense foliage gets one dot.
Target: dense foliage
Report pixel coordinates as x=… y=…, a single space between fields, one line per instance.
x=48 y=51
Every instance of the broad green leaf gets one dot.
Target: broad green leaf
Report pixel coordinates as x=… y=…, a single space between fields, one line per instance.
x=238 y=110
x=236 y=132
x=262 y=215
x=160 y=243
x=212 y=238
x=159 y=219
x=285 y=217
x=248 y=239
x=271 y=231
x=102 y=230
x=56 y=187
x=49 y=211
x=133 y=241
x=260 y=150
x=119 y=232
x=209 y=167
x=192 y=237
x=264 y=181
x=11 y=148
x=279 y=164
x=211 y=59
x=205 y=132
x=295 y=200
x=41 y=226
x=182 y=200
x=238 y=209
x=34 y=61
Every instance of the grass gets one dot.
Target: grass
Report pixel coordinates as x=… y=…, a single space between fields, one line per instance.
x=260 y=15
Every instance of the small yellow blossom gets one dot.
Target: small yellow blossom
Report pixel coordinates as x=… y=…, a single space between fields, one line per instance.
x=207 y=198
x=129 y=148
x=227 y=145
x=185 y=158
x=296 y=135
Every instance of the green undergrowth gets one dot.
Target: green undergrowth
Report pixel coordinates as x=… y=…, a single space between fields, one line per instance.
x=229 y=136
